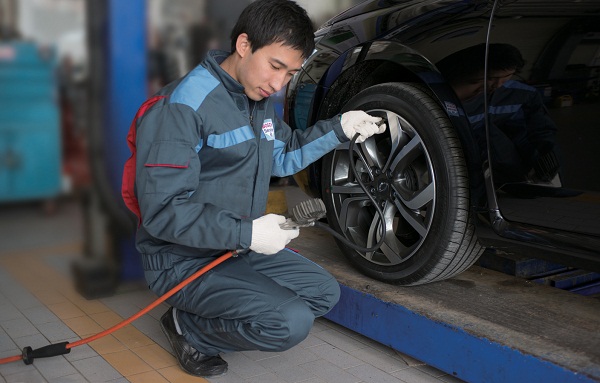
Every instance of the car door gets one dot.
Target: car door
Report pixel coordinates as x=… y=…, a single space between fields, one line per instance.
x=543 y=123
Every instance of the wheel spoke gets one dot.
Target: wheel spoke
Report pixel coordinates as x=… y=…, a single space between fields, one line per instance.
x=348 y=211
x=394 y=128
x=391 y=247
x=408 y=153
x=367 y=160
x=393 y=250
x=420 y=198
x=411 y=218
x=347 y=189
x=371 y=154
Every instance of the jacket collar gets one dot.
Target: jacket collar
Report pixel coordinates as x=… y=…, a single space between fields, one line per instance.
x=213 y=60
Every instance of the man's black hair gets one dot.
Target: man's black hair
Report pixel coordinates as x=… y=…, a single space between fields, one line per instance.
x=273 y=21
x=505 y=57
x=470 y=61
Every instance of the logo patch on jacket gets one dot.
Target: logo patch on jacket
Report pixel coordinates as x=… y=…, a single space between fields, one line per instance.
x=268 y=129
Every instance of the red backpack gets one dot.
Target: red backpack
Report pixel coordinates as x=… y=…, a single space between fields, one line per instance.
x=128 y=183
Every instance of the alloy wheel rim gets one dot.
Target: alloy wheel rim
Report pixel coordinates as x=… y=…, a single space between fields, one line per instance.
x=397 y=169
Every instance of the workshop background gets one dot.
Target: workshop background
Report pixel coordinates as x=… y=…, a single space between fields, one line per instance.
x=72 y=75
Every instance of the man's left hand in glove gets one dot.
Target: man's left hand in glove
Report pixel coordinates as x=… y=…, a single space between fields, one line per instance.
x=357 y=121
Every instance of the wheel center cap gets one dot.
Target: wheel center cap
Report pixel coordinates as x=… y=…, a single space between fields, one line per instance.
x=382 y=187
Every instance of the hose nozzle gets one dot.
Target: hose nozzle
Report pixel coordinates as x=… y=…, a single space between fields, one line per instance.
x=306 y=213
x=30 y=354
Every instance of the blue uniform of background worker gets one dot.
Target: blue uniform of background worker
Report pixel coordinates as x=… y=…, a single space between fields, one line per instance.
x=522 y=136
x=204 y=150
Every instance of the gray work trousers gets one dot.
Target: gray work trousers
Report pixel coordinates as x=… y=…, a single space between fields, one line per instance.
x=249 y=302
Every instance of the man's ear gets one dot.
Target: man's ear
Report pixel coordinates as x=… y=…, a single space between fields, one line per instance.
x=242 y=45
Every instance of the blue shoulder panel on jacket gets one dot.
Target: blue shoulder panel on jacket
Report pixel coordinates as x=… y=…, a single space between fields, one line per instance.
x=513 y=84
x=476 y=118
x=505 y=109
x=194 y=88
x=227 y=139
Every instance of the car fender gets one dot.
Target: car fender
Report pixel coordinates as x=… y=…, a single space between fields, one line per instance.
x=374 y=63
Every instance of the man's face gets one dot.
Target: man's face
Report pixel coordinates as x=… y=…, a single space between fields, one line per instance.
x=474 y=86
x=268 y=69
x=497 y=78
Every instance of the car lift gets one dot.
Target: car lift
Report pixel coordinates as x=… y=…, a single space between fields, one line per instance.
x=482 y=326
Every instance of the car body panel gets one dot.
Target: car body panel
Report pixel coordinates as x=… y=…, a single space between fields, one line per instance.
x=401 y=41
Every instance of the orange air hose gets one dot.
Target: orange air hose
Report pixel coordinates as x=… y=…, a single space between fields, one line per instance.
x=64 y=348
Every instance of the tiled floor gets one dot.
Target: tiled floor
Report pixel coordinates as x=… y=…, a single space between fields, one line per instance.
x=39 y=306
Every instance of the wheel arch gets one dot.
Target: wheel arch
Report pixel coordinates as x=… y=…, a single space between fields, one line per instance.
x=375 y=63
x=381 y=62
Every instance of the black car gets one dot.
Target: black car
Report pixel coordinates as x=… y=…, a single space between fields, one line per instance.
x=493 y=115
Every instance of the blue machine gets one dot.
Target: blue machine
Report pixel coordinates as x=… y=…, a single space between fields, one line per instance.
x=30 y=145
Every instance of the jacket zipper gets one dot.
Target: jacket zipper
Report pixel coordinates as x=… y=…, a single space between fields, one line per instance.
x=252 y=113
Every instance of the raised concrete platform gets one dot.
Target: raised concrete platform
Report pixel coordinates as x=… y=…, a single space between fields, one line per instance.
x=483 y=326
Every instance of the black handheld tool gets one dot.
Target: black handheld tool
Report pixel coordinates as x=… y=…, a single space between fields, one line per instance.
x=305 y=214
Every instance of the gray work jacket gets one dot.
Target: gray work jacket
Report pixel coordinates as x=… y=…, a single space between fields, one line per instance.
x=205 y=158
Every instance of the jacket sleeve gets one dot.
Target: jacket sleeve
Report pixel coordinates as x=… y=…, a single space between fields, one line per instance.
x=167 y=176
x=295 y=150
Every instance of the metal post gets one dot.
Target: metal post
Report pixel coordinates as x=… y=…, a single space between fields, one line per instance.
x=117 y=87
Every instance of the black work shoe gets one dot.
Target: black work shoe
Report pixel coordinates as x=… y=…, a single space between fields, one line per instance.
x=191 y=360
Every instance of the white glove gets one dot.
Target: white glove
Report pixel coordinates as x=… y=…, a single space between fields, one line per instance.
x=357 y=121
x=268 y=237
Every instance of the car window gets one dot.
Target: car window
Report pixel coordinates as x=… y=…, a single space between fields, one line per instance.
x=544 y=120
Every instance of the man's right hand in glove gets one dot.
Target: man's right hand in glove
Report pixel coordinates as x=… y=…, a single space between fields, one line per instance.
x=268 y=237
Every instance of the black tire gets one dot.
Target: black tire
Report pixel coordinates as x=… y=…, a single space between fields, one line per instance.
x=418 y=175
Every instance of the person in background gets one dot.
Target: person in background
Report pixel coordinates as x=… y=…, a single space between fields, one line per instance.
x=522 y=134
x=203 y=151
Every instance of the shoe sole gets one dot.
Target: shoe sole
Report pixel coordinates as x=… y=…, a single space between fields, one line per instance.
x=178 y=362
